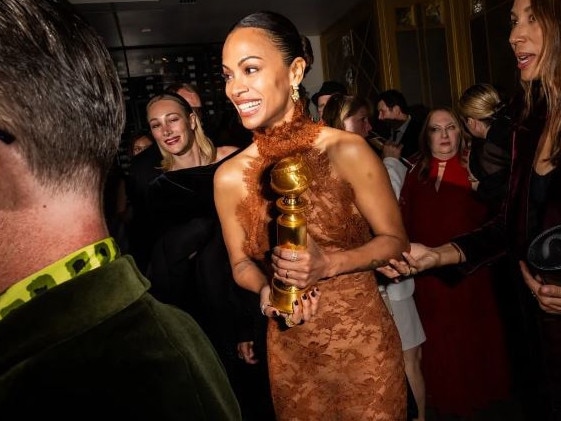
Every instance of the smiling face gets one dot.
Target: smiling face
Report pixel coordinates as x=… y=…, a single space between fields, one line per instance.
x=171 y=127
x=443 y=135
x=526 y=39
x=258 y=82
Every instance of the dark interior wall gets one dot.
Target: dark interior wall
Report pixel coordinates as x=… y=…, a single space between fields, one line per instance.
x=493 y=60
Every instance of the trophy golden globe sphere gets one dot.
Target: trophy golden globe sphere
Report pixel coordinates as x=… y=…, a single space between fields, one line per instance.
x=290 y=176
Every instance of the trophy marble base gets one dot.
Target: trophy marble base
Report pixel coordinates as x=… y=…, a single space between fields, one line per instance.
x=283 y=296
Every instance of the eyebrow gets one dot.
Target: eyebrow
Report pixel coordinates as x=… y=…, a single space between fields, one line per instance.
x=527 y=9
x=6 y=137
x=244 y=59
x=165 y=116
x=437 y=126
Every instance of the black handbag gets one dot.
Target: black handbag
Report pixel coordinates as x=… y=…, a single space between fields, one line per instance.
x=544 y=255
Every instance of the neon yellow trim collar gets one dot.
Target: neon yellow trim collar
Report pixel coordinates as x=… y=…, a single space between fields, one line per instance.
x=75 y=264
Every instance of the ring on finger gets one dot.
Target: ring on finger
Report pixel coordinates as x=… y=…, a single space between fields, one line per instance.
x=413 y=271
x=289 y=322
x=294 y=256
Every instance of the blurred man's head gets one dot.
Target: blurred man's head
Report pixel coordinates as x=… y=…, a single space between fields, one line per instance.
x=189 y=94
x=60 y=97
x=392 y=107
x=327 y=89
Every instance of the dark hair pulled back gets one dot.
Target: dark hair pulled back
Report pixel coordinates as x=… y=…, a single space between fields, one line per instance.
x=283 y=33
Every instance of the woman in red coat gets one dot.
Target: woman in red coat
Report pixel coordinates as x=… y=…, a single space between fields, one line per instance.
x=464 y=358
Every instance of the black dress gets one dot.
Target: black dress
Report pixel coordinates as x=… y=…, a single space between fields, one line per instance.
x=489 y=162
x=189 y=268
x=189 y=264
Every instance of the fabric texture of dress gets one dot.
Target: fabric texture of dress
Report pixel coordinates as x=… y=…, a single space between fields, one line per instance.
x=464 y=361
x=346 y=363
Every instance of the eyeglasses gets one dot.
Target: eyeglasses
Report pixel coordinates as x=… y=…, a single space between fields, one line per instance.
x=443 y=131
x=6 y=137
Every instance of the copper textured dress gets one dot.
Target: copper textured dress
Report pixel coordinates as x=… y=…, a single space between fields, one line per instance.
x=345 y=364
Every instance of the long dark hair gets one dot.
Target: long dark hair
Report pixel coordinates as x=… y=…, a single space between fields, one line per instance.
x=548 y=14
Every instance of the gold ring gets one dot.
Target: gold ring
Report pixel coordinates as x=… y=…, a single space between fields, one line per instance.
x=294 y=256
x=413 y=271
x=289 y=321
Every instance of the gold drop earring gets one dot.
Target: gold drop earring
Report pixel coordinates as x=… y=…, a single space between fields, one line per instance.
x=295 y=93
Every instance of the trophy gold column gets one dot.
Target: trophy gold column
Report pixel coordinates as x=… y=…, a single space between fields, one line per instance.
x=290 y=177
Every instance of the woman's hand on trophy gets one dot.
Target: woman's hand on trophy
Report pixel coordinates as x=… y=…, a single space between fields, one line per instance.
x=303 y=310
x=301 y=268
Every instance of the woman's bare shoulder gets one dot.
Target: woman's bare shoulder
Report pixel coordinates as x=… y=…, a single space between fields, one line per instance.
x=224 y=151
x=335 y=141
x=231 y=171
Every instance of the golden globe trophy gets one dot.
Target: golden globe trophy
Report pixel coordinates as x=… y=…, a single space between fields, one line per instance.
x=290 y=177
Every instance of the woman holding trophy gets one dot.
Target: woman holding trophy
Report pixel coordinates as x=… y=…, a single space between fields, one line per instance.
x=307 y=207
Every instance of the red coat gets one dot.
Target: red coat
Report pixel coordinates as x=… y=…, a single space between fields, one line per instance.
x=464 y=361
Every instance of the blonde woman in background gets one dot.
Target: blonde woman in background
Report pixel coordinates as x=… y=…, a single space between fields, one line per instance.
x=486 y=117
x=189 y=264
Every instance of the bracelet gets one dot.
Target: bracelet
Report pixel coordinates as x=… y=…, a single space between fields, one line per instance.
x=458 y=250
x=263 y=307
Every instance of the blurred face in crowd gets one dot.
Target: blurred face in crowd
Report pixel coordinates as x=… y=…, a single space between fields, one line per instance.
x=140 y=144
x=444 y=135
x=193 y=100
x=358 y=123
x=526 y=39
x=258 y=82
x=322 y=100
x=171 y=127
x=391 y=115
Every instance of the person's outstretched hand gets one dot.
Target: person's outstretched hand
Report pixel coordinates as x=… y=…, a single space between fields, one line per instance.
x=418 y=259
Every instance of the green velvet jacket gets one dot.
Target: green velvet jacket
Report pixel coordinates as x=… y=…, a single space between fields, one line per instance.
x=100 y=347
